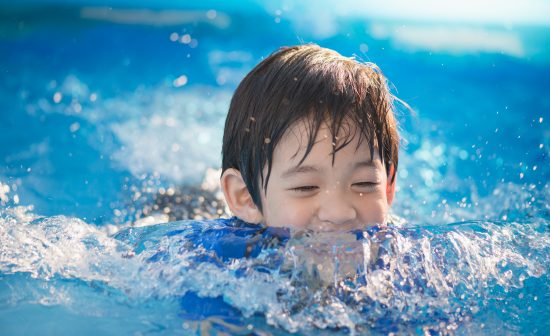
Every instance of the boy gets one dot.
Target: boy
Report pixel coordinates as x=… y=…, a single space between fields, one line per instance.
x=311 y=143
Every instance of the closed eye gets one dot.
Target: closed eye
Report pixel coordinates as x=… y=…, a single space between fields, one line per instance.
x=305 y=189
x=366 y=184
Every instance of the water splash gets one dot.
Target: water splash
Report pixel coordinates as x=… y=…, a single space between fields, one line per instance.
x=438 y=278
x=128 y=125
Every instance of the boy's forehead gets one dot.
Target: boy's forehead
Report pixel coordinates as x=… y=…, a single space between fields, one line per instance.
x=295 y=140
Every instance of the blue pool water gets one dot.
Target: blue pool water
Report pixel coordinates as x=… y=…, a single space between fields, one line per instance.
x=111 y=122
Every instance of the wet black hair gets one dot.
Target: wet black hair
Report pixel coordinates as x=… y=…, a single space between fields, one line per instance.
x=315 y=85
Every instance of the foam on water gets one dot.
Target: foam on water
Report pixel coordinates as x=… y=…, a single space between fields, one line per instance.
x=437 y=278
x=135 y=120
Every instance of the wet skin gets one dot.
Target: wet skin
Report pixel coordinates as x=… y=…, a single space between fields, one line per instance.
x=321 y=195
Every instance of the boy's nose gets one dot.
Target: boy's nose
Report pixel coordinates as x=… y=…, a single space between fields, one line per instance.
x=336 y=209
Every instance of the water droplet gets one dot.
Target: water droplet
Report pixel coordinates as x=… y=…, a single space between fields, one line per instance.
x=57 y=97
x=77 y=107
x=211 y=14
x=180 y=81
x=170 y=122
x=185 y=39
x=221 y=80
x=74 y=127
x=175 y=147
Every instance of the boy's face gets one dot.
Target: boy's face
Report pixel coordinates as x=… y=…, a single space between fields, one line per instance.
x=320 y=195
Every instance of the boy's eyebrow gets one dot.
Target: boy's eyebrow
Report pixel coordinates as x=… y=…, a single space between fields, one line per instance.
x=299 y=170
x=366 y=164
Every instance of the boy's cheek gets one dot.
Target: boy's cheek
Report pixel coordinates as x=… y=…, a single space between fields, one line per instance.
x=287 y=214
x=383 y=212
x=374 y=211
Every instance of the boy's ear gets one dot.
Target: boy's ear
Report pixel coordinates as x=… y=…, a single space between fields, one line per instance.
x=238 y=198
x=390 y=187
